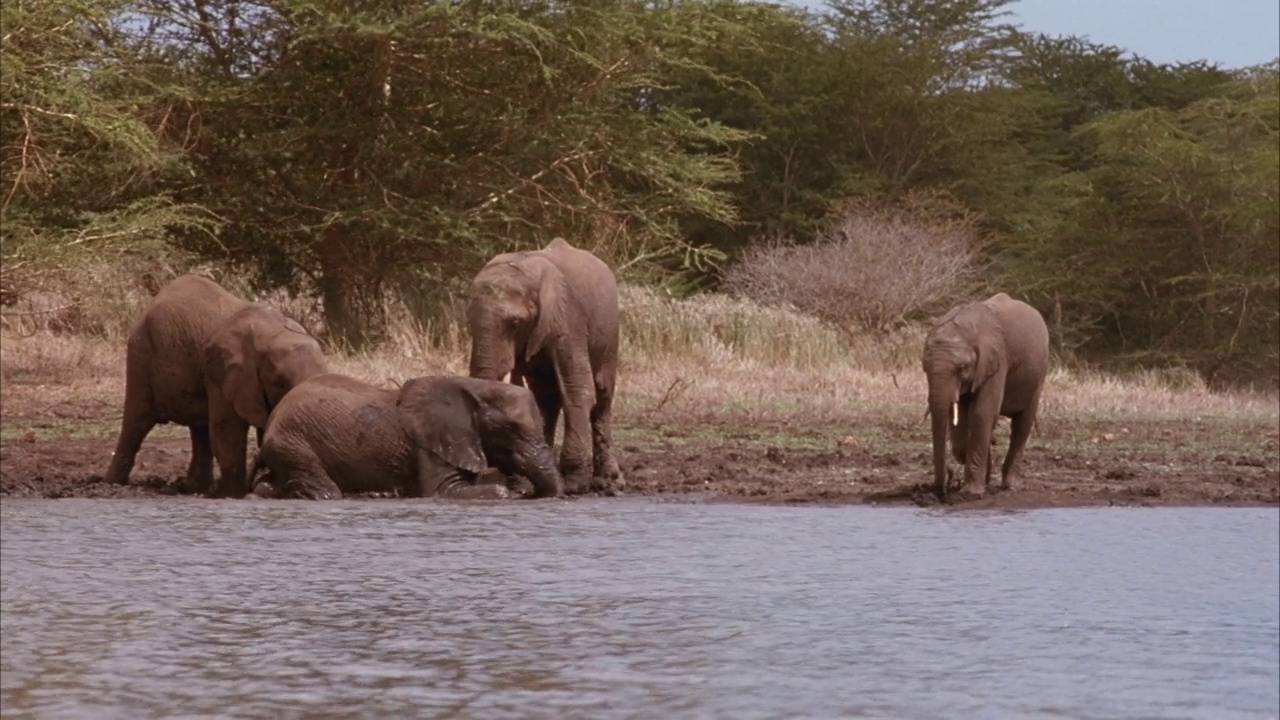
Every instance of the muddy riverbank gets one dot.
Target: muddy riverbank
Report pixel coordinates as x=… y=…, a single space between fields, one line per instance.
x=700 y=459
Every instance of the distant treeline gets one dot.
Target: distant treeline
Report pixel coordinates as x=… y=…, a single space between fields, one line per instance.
x=356 y=148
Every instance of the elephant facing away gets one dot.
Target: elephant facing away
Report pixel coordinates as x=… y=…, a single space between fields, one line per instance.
x=983 y=360
x=201 y=357
x=549 y=317
x=433 y=437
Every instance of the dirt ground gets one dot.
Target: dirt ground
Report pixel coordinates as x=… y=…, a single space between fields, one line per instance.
x=62 y=450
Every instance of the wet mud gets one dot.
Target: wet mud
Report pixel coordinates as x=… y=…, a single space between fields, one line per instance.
x=1152 y=467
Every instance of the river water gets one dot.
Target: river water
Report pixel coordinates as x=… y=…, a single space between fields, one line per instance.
x=623 y=608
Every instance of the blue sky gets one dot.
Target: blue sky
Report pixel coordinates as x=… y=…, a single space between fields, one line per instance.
x=1232 y=33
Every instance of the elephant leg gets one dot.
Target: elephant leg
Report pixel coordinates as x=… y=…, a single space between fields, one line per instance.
x=604 y=464
x=983 y=413
x=229 y=436
x=200 y=470
x=1020 y=430
x=989 y=474
x=547 y=394
x=311 y=484
x=137 y=424
x=577 y=390
x=469 y=491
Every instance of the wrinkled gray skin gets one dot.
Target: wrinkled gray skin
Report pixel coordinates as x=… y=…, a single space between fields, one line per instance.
x=433 y=437
x=549 y=317
x=990 y=357
x=201 y=357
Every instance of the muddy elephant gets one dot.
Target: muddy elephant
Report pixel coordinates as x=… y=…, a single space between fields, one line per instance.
x=549 y=317
x=201 y=357
x=983 y=360
x=434 y=436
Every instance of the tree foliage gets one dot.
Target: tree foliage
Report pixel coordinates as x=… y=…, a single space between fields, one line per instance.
x=355 y=149
x=83 y=157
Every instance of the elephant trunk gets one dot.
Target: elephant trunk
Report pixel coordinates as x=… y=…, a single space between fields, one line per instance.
x=943 y=408
x=493 y=356
x=941 y=413
x=534 y=460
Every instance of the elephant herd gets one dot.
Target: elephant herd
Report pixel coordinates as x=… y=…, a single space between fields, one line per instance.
x=200 y=357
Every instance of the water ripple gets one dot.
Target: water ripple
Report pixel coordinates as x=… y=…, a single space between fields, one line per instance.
x=632 y=609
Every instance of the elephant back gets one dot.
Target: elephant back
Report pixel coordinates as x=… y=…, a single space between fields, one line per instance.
x=349 y=427
x=166 y=345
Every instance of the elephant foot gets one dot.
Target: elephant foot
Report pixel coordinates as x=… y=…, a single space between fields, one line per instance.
x=264 y=490
x=581 y=484
x=611 y=486
x=592 y=485
x=609 y=476
x=520 y=486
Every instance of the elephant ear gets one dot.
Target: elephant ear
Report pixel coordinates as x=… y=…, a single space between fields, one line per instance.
x=441 y=417
x=553 y=294
x=231 y=370
x=285 y=357
x=990 y=347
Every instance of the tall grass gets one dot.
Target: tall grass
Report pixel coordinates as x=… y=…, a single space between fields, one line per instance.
x=709 y=356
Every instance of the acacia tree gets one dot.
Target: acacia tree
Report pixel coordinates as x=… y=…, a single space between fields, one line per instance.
x=367 y=145
x=85 y=147
x=859 y=99
x=1167 y=245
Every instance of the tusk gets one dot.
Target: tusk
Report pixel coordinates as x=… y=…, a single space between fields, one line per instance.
x=955 y=414
x=506 y=378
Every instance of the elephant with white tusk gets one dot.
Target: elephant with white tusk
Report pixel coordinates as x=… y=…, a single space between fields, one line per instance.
x=983 y=360
x=549 y=319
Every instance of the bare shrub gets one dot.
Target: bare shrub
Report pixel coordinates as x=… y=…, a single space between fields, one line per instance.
x=873 y=266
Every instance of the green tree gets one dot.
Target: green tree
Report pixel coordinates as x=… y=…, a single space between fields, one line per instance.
x=379 y=145
x=86 y=142
x=1172 y=245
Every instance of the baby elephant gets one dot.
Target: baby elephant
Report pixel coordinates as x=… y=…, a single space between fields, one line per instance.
x=434 y=436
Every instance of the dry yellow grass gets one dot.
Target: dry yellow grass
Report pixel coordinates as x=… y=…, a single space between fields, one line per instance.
x=707 y=357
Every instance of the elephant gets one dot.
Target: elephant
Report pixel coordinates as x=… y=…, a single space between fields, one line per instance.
x=549 y=317
x=201 y=357
x=984 y=359
x=434 y=436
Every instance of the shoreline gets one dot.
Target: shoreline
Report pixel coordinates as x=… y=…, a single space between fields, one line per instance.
x=690 y=469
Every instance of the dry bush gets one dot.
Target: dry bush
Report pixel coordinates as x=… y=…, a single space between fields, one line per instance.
x=98 y=298
x=45 y=357
x=873 y=267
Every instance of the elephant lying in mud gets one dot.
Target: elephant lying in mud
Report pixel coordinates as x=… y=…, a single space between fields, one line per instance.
x=983 y=360
x=549 y=317
x=201 y=357
x=433 y=437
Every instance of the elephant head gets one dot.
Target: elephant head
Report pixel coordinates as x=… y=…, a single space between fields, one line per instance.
x=516 y=309
x=255 y=358
x=468 y=424
x=964 y=356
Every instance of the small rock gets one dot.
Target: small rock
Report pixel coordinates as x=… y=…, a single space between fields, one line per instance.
x=1108 y=436
x=28 y=437
x=848 y=441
